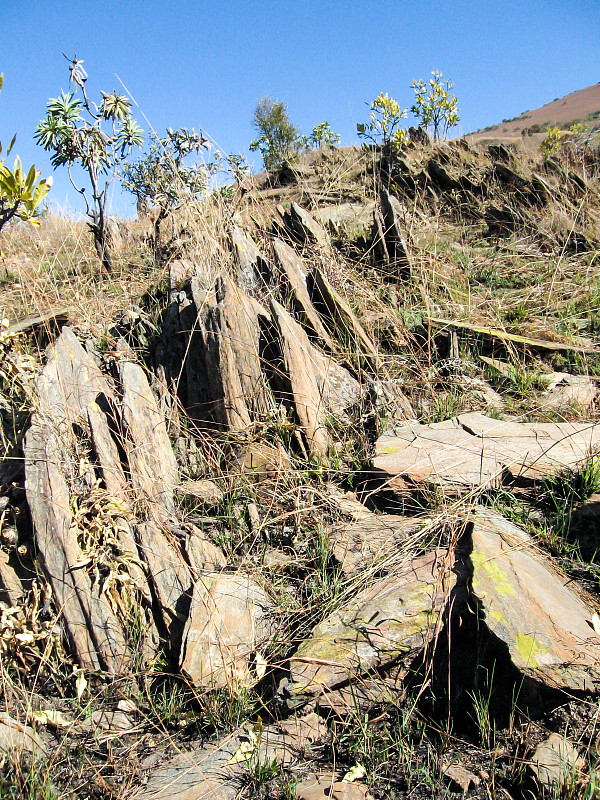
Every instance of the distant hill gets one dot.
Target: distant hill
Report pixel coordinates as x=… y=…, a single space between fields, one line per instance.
x=530 y=126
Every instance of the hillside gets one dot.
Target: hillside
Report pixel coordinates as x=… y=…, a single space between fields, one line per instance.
x=529 y=127
x=304 y=502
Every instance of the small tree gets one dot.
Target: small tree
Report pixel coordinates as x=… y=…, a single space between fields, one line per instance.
x=435 y=107
x=162 y=179
x=98 y=138
x=383 y=128
x=323 y=136
x=279 y=138
x=20 y=191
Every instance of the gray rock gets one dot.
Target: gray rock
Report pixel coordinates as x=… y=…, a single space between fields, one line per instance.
x=16 y=738
x=216 y=772
x=304 y=227
x=350 y=221
x=228 y=623
x=474 y=450
x=557 y=762
x=392 y=620
x=529 y=605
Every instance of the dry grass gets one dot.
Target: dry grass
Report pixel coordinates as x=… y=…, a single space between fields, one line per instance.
x=55 y=265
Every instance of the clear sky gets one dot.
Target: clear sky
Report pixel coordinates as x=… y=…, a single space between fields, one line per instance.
x=205 y=64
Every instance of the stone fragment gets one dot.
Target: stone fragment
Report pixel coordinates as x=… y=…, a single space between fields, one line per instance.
x=350 y=221
x=347 y=326
x=304 y=731
x=217 y=772
x=16 y=737
x=528 y=605
x=205 y=491
x=304 y=227
x=393 y=222
x=474 y=450
x=252 y=266
x=557 y=762
x=152 y=463
x=299 y=364
x=227 y=624
x=394 y=619
x=372 y=539
x=461 y=776
x=232 y=332
x=327 y=787
x=568 y=392
x=291 y=265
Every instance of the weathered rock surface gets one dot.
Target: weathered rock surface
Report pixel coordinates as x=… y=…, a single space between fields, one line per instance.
x=121 y=437
x=347 y=326
x=351 y=221
x=565 y=391
x=152 y=463
x=227 y=625
x=304 y=227
x=216 y=772
x=328 y=787
x=299 y=364
x=556 y=762
x=16 y=738
x=252 y=265
x=474 y=450
x=528 y=605
x=291 y=265
x=394 y=619
x=372 y=538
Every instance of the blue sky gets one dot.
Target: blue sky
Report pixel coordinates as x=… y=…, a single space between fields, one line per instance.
x=205 y=64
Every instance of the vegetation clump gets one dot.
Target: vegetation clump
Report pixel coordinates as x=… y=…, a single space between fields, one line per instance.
x=98 y=138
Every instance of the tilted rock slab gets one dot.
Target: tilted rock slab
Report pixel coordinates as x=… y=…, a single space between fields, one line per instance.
x=290 y=264
x=529 y=605
x=395 y=619
x=77 y=407
x=228 y=624
x=474 y=450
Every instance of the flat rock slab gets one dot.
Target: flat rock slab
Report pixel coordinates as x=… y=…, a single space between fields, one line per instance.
x=394 y=619
x=529 y=605
x=216 y=772
x=474 y=450
x=228 y=623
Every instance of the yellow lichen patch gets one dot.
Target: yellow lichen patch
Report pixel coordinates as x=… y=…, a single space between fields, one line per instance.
x=497 y=575
x=529 y=649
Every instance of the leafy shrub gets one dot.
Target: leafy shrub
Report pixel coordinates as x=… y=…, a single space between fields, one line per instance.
x=434 y=106
x=322 y=136
x=383 y=126
x=98 y=137
x=551 y=144
x=162 y=179
x=279 y=140
x=21 y=193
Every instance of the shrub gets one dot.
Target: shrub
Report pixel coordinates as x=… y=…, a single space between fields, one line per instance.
x=162 y=179
x=21 y=193
x=322 y=136
x=98 y=137
x=383 y=126
x=551 y=144
x=279 y=139
x=434 y=106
